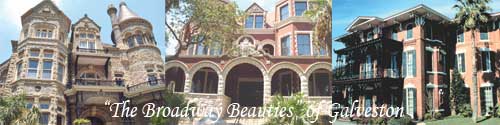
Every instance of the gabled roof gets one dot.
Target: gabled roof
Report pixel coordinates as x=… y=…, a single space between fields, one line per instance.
x=255 y=8
x=361 y=20
x=85 y=17
x=50 y=4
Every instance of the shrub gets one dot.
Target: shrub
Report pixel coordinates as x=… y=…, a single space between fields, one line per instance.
x=437 y=115
x=378 y=121
x=465 y=110
x=406 y=120
x=428 y=116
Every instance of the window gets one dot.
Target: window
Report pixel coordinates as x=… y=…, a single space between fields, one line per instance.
x=409 y=64
x=91 y=36
x=259 y=21
x=486 y=61
x=32 y=68
x=130 y=41
x=34 y=53
x=44 y=119
x=442 y=62
x=47 y=70
x=409 y=31
x=48 y=54
x=249 y=22
x=43 y=33
x=300 y=8
x=486 y=99
x=214 y=50
x=460 y=36
x=394 y=66
x=83 y=35
x=44 y=106
x=190 y=49
x=410 y=102
x=304 y=44
x=368 y=67
x=19 y=69
x=29 y=105
x=319 y=84
x=138 y=39
x=284 y=12
x=483 y=33
x=394 y=34
x=285 y=46
x=152 y=79
x=369 y=36
x=201 y=49
x=90 y=45
x=60 y=72
x=428 y=60
x=460 y=62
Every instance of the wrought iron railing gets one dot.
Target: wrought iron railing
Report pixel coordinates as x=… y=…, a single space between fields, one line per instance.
x=342 y=73
x=97 y=51
x=97 y=82
x=147 y=84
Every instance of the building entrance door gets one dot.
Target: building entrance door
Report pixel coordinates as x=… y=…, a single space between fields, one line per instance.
x=251 y=93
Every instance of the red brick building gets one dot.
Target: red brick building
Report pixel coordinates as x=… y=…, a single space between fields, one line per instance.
x=404 y=60
x=276 y=57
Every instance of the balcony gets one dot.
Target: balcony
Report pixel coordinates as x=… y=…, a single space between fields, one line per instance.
x=97 y=85
x=147 y=87
x=92 y=56
x=344 y=76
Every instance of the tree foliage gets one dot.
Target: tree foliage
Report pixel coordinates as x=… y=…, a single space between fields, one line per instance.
x=321 y=14
x=214 y=23
x=458 y=93
x=81 y=121
x=172 y=100
x=471 y=14
x=296 y=104
x=13 y=111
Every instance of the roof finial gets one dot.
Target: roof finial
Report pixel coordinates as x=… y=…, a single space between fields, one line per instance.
x=85 y=15
x=122 y=3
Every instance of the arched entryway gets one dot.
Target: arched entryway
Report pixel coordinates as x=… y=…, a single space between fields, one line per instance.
x=95 y=121
x=205 y=80
x=245 y=85
x=320 y=83
x=176 y=76
x=285 y=82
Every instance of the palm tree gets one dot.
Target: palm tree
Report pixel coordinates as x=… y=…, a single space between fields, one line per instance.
x=13 y=110
x=471 y=14
x=321 y=13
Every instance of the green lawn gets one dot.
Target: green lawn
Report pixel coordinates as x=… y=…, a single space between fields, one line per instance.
x=464 y=121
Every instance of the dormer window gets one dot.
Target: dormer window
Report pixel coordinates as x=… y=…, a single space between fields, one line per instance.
x=44 y=33
x=254 y=21
x=300 y=8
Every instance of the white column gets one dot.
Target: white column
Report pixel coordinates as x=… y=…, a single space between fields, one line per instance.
x=220 y=85
x=267 y=88
x=187 y=84
x=304 y=84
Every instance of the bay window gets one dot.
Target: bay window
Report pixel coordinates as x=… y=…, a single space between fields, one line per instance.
x=300 y=8
x=32 y=68
x=284 y=12
x=47 y=70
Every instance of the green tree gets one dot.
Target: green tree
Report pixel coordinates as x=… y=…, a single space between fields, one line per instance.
x=13 y=110
x=213 y=23
x=458 y=94
x=298 y=106
x=172 y=100
x=471 y=14
x=81 y=121
x=321 y=14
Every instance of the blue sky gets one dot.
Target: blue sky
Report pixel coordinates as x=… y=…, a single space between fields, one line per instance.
x=11 y=11
x=345 y=11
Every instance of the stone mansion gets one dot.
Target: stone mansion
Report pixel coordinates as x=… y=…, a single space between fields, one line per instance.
x=67 y=72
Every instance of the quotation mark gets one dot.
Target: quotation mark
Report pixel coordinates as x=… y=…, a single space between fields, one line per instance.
x=107 y=102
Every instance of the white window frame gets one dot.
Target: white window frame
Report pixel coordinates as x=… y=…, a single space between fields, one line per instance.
x=487 y=61
x=311 y=45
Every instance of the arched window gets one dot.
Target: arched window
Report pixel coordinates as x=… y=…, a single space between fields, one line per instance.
x=139 y=39
x=409 y=31
x=130 y=41
x=268 y=49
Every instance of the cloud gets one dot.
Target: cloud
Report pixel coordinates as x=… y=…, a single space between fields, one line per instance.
x=12 y=10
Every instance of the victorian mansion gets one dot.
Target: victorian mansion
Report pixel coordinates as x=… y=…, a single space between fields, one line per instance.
x=67 y=72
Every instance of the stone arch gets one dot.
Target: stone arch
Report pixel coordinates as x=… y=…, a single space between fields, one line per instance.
x=266 y=42
x=175 y=63
x=286 y=65
x=315 y=66
x=204 y=64
x=100 y=114
x=254 y=41
x=241 y=60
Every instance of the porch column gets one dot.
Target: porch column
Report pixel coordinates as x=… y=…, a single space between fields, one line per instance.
x=304 y=82
x=267 y=88
x=220 y=85
x=187 y=84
